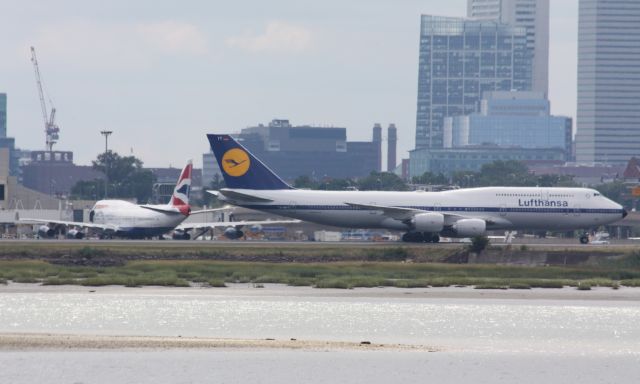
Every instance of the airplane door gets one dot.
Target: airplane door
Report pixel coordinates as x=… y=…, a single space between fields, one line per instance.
x=503 y=210
x=544 y=194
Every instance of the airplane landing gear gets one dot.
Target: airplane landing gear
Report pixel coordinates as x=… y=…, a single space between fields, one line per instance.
x=584 y=238
x=413 y=237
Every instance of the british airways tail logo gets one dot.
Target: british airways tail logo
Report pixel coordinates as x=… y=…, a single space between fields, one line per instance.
x=181 y=192
x=542 y=203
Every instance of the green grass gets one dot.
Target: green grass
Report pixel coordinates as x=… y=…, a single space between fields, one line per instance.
x=584 y=286
x=490 y=286
x=623 y=271
x=218 y=283
x=518 y=285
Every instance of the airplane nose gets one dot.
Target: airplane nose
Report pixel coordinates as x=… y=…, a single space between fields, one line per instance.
x=624 y=213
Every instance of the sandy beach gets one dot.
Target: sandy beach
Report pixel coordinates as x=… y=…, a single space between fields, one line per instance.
x=42 y=341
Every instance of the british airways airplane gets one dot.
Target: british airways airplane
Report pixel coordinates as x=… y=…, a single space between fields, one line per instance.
x=120 y=218
x=425 y=216
x=123 y=219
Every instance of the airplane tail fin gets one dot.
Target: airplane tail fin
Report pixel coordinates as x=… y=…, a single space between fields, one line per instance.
x=241 y=169
x=180 y=197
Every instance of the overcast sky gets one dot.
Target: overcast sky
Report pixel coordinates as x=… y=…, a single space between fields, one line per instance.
x=162 y=74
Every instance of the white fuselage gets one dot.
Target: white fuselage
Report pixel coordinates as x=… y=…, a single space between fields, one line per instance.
x=130 y=220
x=504 y=208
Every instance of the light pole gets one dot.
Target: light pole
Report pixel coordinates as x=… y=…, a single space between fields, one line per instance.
x=106 y=159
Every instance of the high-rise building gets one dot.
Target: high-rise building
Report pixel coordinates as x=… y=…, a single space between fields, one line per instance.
x=608 y=126
x=317 y=152
x=530 y=14
x=377 y=141
x=392 y=142
x=8 y=142
x=3 y=115
x=511 y=119
x=459 y=60
x=210 y=169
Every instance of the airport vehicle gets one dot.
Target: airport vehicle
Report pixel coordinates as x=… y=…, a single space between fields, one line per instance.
x=600 y=238
x=425 y=216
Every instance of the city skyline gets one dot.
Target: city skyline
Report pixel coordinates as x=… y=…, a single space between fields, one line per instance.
x=162 y=77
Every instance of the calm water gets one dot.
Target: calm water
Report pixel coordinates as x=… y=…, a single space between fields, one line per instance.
x=524 y=337
x=277 y=366
x=456 y=324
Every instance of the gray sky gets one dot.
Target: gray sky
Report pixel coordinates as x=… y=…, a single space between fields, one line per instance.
x=162 y=74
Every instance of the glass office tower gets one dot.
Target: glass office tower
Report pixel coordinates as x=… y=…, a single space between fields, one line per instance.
x=3 y=115
x=608 y=126
x=530 y=14
x=459 y=60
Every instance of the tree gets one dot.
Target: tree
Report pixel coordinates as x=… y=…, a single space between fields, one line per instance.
x=327 y=184
x=335 y=185
x=126 y=179
x=616 y=191
x=207 y=198
x=465 y=179
x=555 y=181
x=505 y=173
x=305 y=182
x=431 y=179
x=382 y=181
x=509 y=174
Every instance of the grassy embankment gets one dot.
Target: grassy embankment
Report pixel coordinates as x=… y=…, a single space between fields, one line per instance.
x=373 y=268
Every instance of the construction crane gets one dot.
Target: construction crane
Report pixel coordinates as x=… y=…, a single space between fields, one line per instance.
x=50 y=128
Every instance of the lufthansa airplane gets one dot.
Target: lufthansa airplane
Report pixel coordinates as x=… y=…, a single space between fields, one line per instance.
x=425 y=216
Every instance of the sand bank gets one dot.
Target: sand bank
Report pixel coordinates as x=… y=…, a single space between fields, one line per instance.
x=27 y=341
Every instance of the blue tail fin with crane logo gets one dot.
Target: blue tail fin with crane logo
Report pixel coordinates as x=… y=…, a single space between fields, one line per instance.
x=241 y=169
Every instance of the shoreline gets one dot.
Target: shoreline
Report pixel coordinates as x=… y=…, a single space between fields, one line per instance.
x=631 y=294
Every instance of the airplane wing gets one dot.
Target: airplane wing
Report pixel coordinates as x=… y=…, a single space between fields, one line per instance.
x=399 y=213
x=225 y=208
x=403 y=214
x=161 y=209
x=103 y=227
x=217 y=224
x=245 y=197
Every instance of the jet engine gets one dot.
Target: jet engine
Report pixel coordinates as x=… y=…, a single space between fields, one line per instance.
x=233 y=233
x=469 y=227
x=75 y=234
x=428 y=222
x=46 y=232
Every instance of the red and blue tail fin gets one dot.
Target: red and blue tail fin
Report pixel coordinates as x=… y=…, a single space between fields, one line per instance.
x=180 y=197
x=241 y=169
